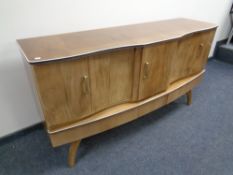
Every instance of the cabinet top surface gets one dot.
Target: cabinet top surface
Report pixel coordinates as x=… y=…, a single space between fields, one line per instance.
x=56 y=47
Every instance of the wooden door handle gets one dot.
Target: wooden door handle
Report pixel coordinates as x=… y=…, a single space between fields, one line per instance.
x=146 y=69
x=85 y=85
x=201 y=47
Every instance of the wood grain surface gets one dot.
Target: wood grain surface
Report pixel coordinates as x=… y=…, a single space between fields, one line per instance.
x=55 y=47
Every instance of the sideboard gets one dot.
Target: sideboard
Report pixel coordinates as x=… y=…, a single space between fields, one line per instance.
x=91 y=81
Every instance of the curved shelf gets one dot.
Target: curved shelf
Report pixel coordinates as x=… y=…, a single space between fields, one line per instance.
x=121 y=114
x=127 y=106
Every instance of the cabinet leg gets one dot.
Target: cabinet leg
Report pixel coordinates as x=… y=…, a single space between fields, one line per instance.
x=73 y=152
x=189 y=97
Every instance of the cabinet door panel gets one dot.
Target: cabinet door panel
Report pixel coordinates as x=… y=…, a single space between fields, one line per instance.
x=99 y=76
x=203 y=48
x=64 y=91
x=121 y=76
x=111 y=78
x=155 y=68
x=192 y=55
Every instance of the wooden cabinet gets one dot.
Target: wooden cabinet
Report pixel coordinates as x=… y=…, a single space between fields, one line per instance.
x=89 y=82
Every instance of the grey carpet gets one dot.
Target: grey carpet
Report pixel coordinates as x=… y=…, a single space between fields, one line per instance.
x=175 y=140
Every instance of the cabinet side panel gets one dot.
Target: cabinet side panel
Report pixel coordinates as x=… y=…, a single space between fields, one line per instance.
x=63 y=93
x=30 y=75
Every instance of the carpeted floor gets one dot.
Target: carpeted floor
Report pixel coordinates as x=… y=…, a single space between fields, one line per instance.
x=175 y=140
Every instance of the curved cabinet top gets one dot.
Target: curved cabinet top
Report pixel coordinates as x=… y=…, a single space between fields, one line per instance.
x=56 y=47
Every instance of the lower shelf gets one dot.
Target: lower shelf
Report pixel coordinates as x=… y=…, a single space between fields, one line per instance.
x=121 y=114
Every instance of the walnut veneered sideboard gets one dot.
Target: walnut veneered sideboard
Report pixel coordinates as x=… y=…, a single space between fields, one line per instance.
x=91 y=81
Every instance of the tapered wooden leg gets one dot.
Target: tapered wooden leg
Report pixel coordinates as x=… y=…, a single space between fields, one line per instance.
x=73 y=152
x=189 y=97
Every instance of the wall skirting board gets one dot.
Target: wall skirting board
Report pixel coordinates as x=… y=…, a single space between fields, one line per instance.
x=20 y=133
x=218 y=43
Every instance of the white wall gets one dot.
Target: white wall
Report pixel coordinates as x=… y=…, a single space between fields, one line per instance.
x=27 y=18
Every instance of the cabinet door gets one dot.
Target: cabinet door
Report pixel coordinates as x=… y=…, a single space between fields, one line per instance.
x=203 y=45
x=192 y=55
x=155 y=68
x=111 y=77
x=63 y=90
